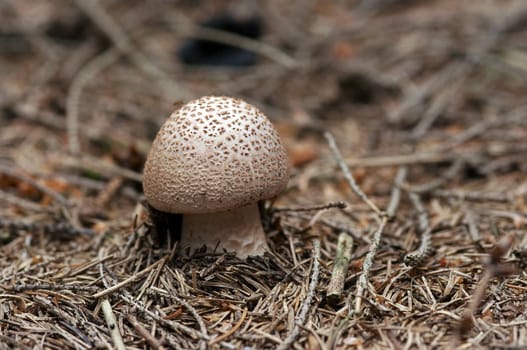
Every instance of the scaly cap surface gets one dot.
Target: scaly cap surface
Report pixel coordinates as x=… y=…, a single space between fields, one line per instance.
x=214 y=154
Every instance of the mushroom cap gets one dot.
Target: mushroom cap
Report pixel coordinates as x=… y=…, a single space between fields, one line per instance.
x=214 y=154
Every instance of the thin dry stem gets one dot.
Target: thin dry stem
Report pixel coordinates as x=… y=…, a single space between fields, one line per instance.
x=347 y=174
x=306 y=304
x=83 y=77
x=424 y=250
x=112 y=325
x=340 y=268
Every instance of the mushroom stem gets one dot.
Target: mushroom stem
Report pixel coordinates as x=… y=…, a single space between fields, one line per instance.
x=238 y=230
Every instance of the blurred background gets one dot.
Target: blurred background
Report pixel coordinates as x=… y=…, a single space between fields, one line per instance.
x=382 y=74
x=86 y=84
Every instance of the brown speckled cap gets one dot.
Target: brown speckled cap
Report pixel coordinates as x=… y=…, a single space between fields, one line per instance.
x=214 y=154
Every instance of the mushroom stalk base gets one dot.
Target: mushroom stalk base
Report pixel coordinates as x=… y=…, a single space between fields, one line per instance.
x=238 y=230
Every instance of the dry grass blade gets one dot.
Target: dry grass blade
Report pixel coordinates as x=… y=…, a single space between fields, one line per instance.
x=230 y=331
x=112 y=325
x=306 y=304
x=130 y=279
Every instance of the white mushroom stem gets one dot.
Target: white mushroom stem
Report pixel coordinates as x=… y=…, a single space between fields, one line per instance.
x=237 y=230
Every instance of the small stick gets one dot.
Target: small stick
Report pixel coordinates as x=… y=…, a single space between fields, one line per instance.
x=340 y=269
x=347 y=174
x=330 y=205
x=230 y=331
x=395 y=196
x=473 y=196
x=454 y=169
x=130 y=279
x=480 y=128
x=407 y=159
x=111 y=188
x=143 y=332
x=46 y=228
x=362 y=283
x=112 y=324
x=25 y=204
x=194 y=312
x=344 y=228
x=177 y=327
x=10 y=171
x=439 y=104
x=86 y=73
x=302 y=315
x=472 y=226
x=87 y=162
x=22 y=287
x=492 y=269
x=418 y=256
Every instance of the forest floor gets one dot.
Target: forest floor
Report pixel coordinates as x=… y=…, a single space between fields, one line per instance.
x=406 y=127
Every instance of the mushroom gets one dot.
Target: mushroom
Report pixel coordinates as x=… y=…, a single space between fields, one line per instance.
x=212 y=161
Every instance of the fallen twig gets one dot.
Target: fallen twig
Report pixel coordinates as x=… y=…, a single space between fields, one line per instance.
x=493 y=267
x=340 y=269
x=304 y=309
x=424 y=157
x=197 y=317
x=167 y=323
x=417 y=257
x=88 y=72
x=472 y=196
x=395 y=196
x=473 y=230
x=54 y=287
x=382 y=216
x=59 y=227
x=347 y=174
x=130 y=279
x=22 y=203
x=230 y=331
x=149 y=338
x=454 y=169
x=330 y=205
x=87 y=162
x=362 y=283
x=17 y=174
x=112 y=325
